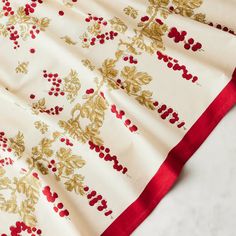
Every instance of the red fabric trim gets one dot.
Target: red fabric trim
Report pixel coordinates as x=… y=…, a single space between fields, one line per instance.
x=170 y=169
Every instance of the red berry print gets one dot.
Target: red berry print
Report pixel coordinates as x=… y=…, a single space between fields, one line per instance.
x=30 y=7
x=144 y=18
x=97 y=37
x=32 y=50
x=14 y=36
x=180 y=36
x=97 y=200
x=104 y=153
x=120 y=114
x=223 y=28
x=57 y=207
x=3 y=142
x=56 y=83
x=61 y=13
x=67 y=142
x=20 y=228
x=32 y=96
x=6 y=161
x=174 y=65
x=130 y=59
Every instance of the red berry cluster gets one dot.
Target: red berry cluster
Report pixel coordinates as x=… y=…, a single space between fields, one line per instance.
x=7 y=8
x=130 y=59
x=66 y=141
x=100 y=37
x=95 y=198
x=99 y=20
x=51 y=197
x=146 y=18
x=6 y=161
x=120 y=114
x=166 y=112
x=29 y=8
x=180 y=37
x=104 y=153
x=52 y=165
x=90 y=91
x=3 y=142
x=52 y=111
x=20 y=227
x=13 y=36
x=56 y=82
x=34 y=31
x=174 y=65
x=223 y=28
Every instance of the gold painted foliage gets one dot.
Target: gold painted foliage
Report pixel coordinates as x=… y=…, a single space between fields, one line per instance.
x=67 y=166
x=68 y=40
x=94 y=111
x=118 y=25
x=87 y=63
x=75 y=184
x=187 y=7
x=39 y=106
x=22 y=67
x=108 y=69
x=133 y=80
x=26 y=21
x=71 y=85
x=23 y=197
x=17 y=144
x=41 y=126
x=130 y=11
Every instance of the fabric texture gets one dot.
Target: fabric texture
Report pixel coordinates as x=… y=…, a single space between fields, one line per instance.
x=102 y=103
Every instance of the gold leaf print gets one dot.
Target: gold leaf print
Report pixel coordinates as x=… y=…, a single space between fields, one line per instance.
x=41 y=126
x=75 y=184
x=130 y=11
x=88 y=64
x=42 y=23
x=145 y=99
x=108 y=70
x=68 y=162
x=95 y=29
x=118 y=25
x=3 y=30
x=39 y=106
x=134 y=80
x=17 y=144
x=22 y=67
x=68 y=40
x=186 y=7
x=71 y=85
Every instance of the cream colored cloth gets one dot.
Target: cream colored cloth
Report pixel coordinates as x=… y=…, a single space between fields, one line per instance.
x=94 y=95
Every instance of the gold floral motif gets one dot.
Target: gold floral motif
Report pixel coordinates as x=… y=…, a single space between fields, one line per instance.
x=67 y=165
x=41 y=126
x=39 y=106
x=22 y=67
x=94 y=111
x=71 y=85
x=88 y=64
x=186 y=7
x=68 y=40
x=133 y=80
x=130 y=11
x=24 y=195
x=118 y=25
x=25 y=22
x=17 y=144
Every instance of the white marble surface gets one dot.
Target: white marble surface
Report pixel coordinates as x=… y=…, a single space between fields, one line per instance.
x=203 y=202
